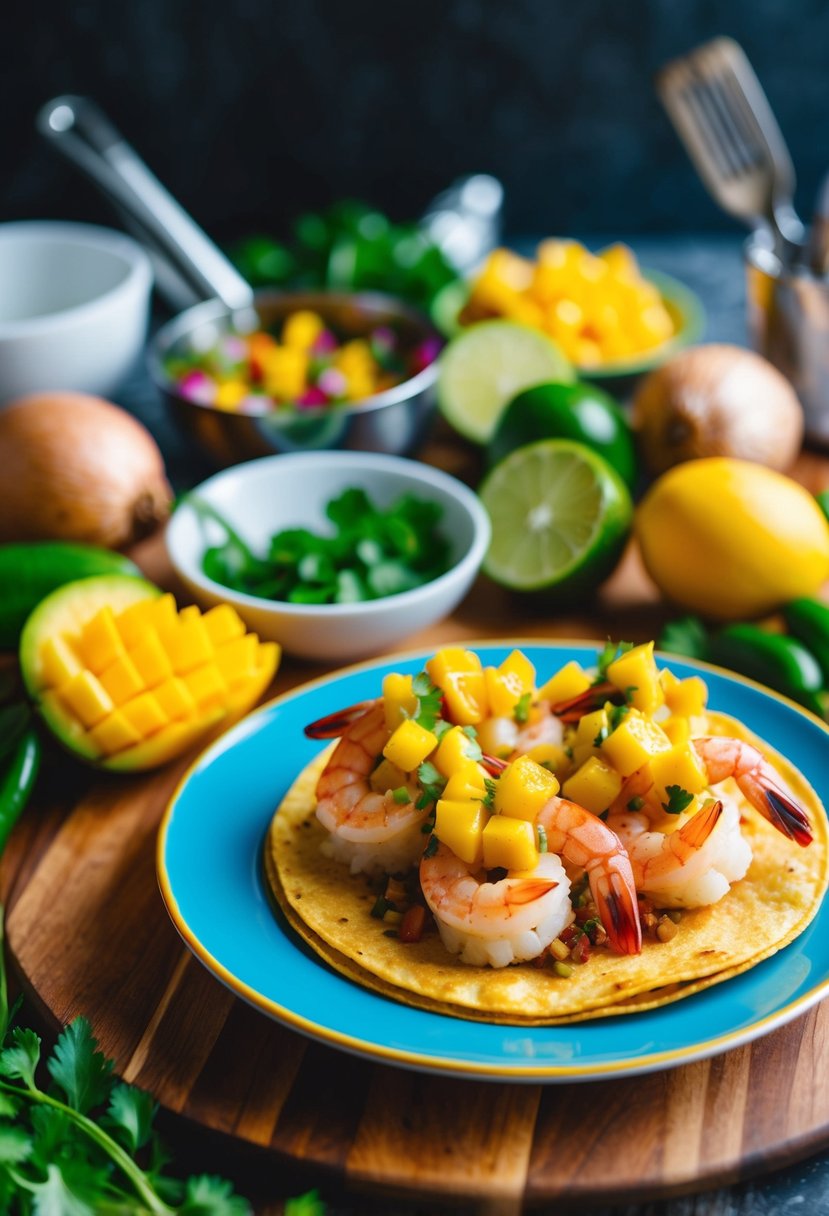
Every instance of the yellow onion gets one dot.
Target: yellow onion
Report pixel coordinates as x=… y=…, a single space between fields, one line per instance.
x=78 y=468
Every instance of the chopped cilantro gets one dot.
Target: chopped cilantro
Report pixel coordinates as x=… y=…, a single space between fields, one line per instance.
x=636 y=804
x=429 y=701
x=609 y=652
x=542 y=838
x=488 y=799
x=678 y=800
x=432 y=784
x=473 y=748
x=616 y=715
x=401 y=795
x=381 y=907
x=522 y=708
x=431 y=846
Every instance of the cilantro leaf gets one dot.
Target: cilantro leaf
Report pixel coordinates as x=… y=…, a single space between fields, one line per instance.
x=130 y=1113
x=678 y=800
x=431 y=846
x=686 y=636
x=521 y=712
x=79 y=1068
x=20 y=1059
x=489 y=798
x=15 y=1145
x=609 y=652
x=429 y=701
x=432 y=783
x=616 y=715
x=209 y=1196
x=308 y=1204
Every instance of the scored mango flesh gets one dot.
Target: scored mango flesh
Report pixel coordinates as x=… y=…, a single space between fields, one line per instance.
x=131 y=687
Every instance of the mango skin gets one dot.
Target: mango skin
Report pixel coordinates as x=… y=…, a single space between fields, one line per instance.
x=730 y=539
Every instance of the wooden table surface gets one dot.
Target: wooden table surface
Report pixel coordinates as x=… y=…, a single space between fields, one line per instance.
x=60 y=842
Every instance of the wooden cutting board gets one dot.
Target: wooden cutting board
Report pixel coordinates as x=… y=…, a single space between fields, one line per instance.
x=89 y=934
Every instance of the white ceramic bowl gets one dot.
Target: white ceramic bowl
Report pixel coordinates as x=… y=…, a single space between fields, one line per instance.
x=74 y=306
x=263 y=496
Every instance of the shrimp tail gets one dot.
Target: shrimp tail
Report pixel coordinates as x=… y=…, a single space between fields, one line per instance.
x=700 y=826
x=787 y=817
x=529 y=890
x=336 y=724
x=619 y=914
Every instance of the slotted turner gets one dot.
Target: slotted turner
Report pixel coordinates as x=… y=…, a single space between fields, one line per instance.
x=722 y=116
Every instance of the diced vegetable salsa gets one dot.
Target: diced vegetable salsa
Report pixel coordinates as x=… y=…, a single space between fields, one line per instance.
x=305 y=366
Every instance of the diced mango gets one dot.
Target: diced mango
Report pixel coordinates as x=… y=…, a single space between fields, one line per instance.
x=524 y=788
x=508 y=683
x=100 y=643
x=144 y=616
x=634 y=742
x=88 y=700
x=677 y=729
x=551 y=756
x=510 y=843
x=187 y=644
x=568 y=682
x=114 y=733
x=409 y=745
x=175 y=699
x=223 y=624
x=151 y=661
x=144 y=714
x=636 y=675
x=468 y=784
x=590 y=731
x=460 y=677
x=387 y=776
x=58 y=662
x=686 y=698
x=206 y=686
x=122 y=680
x=236 y=660
x=460 y=826
x=399 y=700
x=680 y=766
x=455 y=750
x=594 y=785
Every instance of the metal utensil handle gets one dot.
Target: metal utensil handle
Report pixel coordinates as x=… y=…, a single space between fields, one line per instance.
x=82 y=132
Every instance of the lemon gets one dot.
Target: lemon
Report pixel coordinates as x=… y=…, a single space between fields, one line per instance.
x=731 y=539
x=560 y=516
x=486 y=365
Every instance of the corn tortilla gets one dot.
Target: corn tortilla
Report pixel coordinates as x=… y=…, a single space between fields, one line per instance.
x=330 y=910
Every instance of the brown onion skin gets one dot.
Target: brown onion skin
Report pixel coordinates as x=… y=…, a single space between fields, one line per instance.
x=77 y=468
x=717 y=400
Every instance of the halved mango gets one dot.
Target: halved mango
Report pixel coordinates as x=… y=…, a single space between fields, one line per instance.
x=127 y=682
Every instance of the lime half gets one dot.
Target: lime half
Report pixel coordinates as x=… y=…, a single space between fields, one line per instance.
x=486 y=365
x=560 y=517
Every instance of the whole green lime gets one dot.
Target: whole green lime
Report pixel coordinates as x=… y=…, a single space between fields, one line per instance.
x=560 y=517
x=567 y=411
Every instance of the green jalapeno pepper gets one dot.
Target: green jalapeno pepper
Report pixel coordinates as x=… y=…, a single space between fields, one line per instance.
x=28 y=572
x=776 y=660
x=17 y=781
x=808 y=620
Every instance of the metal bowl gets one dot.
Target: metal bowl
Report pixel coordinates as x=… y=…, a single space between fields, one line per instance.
x=393 y=422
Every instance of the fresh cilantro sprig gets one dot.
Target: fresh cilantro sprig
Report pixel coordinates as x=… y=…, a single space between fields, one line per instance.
x=521 y=712
x=429 y=702
x=71 y=1145
x=678 y=800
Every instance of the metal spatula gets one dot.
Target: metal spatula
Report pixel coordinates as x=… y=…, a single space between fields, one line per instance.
x=722 y=116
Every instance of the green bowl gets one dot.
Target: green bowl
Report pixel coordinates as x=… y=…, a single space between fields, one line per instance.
x=684 y=306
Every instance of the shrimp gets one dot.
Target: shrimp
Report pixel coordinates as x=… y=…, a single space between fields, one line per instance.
x=757 y=780
x=587 y=842
x=371 y=831
x=693 y=866
x=502 y=736
x=496 y=923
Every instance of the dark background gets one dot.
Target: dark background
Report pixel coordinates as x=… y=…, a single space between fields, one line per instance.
x=252 y=110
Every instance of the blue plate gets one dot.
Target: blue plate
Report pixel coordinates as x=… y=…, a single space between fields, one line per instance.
x=209 y=865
